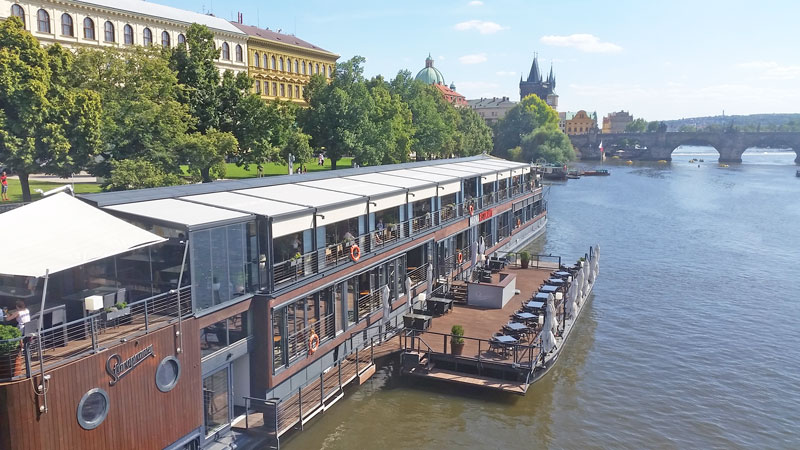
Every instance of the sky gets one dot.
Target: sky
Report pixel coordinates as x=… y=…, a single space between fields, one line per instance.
x=658 y=60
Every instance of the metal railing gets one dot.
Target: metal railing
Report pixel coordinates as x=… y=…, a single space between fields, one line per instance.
x=522 y=355
x=295 y=268
x=297 y=342
x=418 y=275
x=23 y=357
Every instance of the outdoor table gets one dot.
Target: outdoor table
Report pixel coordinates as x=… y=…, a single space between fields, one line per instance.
x=562 y=274
x=516 y=326
x=549 y=289
x=555 y=281
x=506 y=339
x=416 y=321
x=525 y=316
x=541 y=296
x=439 y=306
x=533 y=304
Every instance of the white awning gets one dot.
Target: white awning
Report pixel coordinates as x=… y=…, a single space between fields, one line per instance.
x=179 y=212
x=60 y=232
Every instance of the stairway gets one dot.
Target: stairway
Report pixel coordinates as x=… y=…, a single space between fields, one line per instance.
x=458 y=290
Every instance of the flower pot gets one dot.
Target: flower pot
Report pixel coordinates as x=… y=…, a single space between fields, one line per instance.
x=525 y=263
x=457 y=348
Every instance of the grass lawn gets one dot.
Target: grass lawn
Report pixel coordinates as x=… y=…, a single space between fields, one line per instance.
x=232 y=171
x=15 y=191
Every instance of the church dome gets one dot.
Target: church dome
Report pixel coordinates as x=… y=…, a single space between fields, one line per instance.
x=430 y=74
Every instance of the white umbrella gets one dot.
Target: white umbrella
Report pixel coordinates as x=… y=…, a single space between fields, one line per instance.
x=408 y=290
x=577 y=284
x=569 y=306
x=548 y=338
x=482 y=246
x=474 y=257
x=585 y=287
x=387 y=307
x=551 y=317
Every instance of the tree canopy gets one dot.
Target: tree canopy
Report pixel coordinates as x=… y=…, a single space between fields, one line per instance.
x=529 y=132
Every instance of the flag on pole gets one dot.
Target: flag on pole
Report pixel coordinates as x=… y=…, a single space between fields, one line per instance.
x=601 y=146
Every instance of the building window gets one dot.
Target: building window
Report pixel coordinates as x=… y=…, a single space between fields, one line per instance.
x=296 y=66
x=283 y=90
x=265 y=61
x=43 y=21
x=257 y=59
x=273 y=63
x=304 y=67
x=88 y=28
x=317 y=68
x=93 y=409
x=226 y=51
x=275 y=89
x=224 y=333
x=181 y=39
x=66 y=25
x=258 y=86
x=109 y=31
x=239 y=54
x=147 y=37
x=127 y=31
x=290 y=91
x=165 y=39
x=17 y=11
x=297 y=91
x=168 y=373
x=281 y=65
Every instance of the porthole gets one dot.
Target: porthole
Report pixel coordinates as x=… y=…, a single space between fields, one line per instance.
x=168 y=373
x=93 y=408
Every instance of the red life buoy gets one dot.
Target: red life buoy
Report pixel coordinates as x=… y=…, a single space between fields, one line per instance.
x=471 y=210
x=355 y=253
x=313 y=343
x=519 y=222
x=460 y=257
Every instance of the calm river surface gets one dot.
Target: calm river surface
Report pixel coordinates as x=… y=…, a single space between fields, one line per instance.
x=692 y=339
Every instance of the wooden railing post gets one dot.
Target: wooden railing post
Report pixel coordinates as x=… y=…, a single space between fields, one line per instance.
x=300 y=405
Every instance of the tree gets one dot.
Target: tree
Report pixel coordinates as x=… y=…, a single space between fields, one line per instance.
x=547 y=143
x=338 y=112
x=525 y=117
x=138 y=173
x=46 y=123
x=391 y=128
x=205 y=153
x=298 y=146
x=636 y=126
x=143 y=120
x=199 y=76
x=475 y=135
x=653 y=126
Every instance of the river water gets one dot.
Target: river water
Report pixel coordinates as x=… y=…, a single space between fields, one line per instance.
x=692 y=339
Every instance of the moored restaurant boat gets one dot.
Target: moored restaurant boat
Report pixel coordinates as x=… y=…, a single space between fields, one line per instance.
x=596 y=173
x=232 y=313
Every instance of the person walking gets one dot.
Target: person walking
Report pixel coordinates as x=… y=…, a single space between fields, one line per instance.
x=4 y=182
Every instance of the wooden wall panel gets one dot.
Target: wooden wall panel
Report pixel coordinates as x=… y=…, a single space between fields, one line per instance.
x=140 y=415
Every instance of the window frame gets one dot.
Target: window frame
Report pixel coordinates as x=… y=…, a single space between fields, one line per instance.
x=71 y=25
x=226 y=51
x=239 y=52
x=16 y=7
x=106 y=31
x=147 y=37
x=126 y=35
x=166 y=39
x=43 y=21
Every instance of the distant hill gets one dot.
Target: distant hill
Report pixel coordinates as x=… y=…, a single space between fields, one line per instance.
x=751 y=122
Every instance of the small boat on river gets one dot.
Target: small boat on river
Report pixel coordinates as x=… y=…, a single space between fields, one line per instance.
x=596 y=173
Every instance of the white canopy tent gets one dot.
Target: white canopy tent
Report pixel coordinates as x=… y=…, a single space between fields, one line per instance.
x=60 y=232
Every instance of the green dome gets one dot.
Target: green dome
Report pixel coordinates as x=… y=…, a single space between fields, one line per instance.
x=430 y=74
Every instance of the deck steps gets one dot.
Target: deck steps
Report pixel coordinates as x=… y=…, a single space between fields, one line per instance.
x=458 y=291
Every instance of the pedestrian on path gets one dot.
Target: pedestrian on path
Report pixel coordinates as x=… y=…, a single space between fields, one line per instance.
x=4 y=182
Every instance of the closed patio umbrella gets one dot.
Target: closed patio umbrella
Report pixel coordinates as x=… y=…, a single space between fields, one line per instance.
x=408 y=291
x=429 y=289
x=387 y=307
x=577 y=286
x=474 y=257
x=550 y=320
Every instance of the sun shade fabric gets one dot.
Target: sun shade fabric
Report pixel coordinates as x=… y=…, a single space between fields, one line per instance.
x=60 y=232
x=178 y=212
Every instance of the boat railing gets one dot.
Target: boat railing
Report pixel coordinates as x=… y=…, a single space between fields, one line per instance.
x=26 y=356
x=517 y=355
x=297 y=342
x=418 y=275
x=295 y=268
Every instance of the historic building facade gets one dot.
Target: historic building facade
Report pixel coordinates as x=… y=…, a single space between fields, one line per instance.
x=544 y=89
x=121 y=24
x=491 y=109
x=282 y=64
x=580 y=122
x=431 y=75
x=616 y=122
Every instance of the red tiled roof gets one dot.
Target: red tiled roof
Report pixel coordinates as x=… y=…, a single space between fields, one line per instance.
x=278 y=37
x=458 y=99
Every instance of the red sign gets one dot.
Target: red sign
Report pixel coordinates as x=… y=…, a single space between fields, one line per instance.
x=485 y=215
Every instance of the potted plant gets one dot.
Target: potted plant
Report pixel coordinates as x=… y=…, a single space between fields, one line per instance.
x=10 y=351
x=119 y=310
x=524 y=259
x=457 y=339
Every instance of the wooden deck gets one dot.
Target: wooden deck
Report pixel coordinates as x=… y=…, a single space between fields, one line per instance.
x=482 y=323
x=518 y=388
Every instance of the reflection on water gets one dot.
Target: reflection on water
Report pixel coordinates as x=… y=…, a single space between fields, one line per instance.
x=690 y=340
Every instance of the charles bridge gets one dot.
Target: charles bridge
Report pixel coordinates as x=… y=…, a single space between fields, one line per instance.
x=659 y=145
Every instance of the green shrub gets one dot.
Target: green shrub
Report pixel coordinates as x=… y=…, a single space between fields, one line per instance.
x=8 y=332
x=457 y=333
x=524 y=256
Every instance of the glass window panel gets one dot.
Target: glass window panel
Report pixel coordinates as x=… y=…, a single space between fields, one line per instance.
x=201 y=268
x=237 y=245
x=215 y=400
x=237 y=328
x=213 y=337
x=220 y=281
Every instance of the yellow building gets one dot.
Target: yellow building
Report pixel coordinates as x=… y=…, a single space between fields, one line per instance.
x=580 y=122
x=282 y=64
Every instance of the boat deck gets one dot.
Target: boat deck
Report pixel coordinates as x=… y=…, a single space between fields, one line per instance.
x=513 y=387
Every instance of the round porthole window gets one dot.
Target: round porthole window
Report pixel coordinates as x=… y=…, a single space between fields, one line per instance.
x=167 y=374
x=93 y=408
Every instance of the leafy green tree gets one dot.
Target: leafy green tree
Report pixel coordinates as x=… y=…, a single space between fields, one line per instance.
x=199 y=76
x=46 y=123
x=653 y=126
x=475 y=135
x=547 y=143
x=205 y=153
x=298 y=146
x=338 y=114
x=143 y=120
x=391 y=129
x=636 y=126
x=138 y=173
x=525 y=117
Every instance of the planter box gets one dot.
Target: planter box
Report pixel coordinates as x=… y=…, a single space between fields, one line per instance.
x=118 y=314
x=457 y=348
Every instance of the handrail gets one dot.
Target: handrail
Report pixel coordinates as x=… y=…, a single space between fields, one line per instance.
x=519 y=351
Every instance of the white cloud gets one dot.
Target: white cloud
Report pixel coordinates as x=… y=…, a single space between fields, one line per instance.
x=504 y=73
x=441 y=58
x=473 y=59
x=475 y=3
x=771 y=70
x=583 y=42
x=481 y=26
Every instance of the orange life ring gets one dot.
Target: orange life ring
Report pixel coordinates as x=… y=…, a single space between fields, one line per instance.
x=519 y=222
x=355 y=253
x=471 y=210
x=313 y=343
x=460 y=257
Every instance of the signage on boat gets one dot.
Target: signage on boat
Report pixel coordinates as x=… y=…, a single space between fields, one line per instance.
x=117 y=368
x=485 y=214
